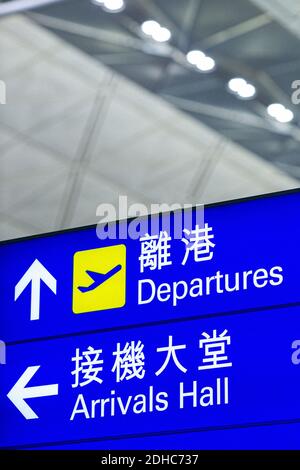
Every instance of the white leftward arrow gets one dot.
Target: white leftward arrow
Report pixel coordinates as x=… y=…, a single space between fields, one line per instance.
x=34 y=275
x=19 y=393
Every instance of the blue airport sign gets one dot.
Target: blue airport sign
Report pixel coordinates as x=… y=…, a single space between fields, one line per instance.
x=200 y=375
x=137 y=339
x=246 y=257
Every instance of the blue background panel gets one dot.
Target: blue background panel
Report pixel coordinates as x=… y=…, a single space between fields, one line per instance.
x=263 y=382
x=249 y=235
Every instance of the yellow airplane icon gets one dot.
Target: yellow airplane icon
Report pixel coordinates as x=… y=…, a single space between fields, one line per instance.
x=99 y=279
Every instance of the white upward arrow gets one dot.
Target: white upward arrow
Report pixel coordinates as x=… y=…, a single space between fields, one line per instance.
x=34 y=275
x=19 y=393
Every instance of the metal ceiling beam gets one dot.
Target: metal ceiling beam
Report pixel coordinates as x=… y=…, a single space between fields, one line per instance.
x=173 y=54
x=183 y=39
x=284 y=68
x=240 y=117
x=89 y=32
x=17 y=6
x=237 y=30
x=271 y=88
x=244 y=133
x=287 y=13
x=123 y=58
x=189 y=20
x=187 y=88
x=219 y=112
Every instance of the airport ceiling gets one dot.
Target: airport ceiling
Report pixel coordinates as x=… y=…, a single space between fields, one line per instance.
x=252 y=39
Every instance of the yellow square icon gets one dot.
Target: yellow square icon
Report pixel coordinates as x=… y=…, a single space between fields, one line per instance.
x=99 y=279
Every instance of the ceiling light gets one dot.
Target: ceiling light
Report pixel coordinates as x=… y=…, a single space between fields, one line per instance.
x=156 y=31
x=161 y=34
x=206 y=64
x=193 y=57
x=235 y=84
x=149 y=27
x=286 y=116
x=275 y=109
x=280 y=113
x=241 y=88
x=201 y=61
x=113 y=5
x=247 y=91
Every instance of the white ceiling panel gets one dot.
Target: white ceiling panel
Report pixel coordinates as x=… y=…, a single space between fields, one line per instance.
x=25 y=171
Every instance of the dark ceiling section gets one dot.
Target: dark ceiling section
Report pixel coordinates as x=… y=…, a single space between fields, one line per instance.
x=243 y=40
